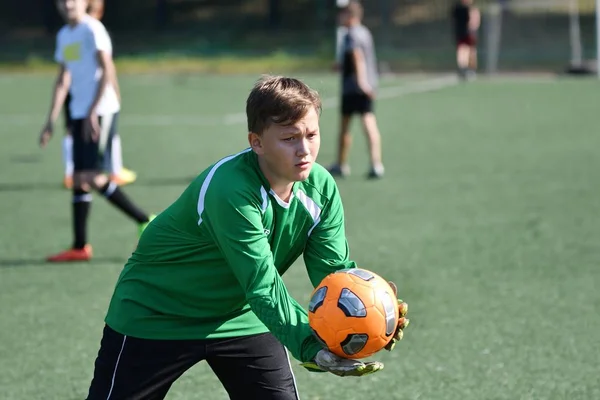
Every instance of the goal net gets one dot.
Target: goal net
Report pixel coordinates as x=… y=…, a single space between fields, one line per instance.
x=538 y=35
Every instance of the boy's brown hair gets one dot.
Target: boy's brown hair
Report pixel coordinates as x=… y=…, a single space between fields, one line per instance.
x=280 y=100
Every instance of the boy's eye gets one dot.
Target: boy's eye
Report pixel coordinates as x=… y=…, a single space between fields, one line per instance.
x=288 y=139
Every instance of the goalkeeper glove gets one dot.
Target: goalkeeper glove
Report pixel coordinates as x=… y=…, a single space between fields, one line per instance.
x=402 y=321
x=326 y=361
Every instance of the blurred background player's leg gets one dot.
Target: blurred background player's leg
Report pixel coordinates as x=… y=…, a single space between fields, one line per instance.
x=67 y=156
x=374 y=142
x=67 y=146
x=463 y=52
x=466 y=57
x=118 y=174
x=88 y=158
x=341 y=167
x=473 y=57
x=363 y=105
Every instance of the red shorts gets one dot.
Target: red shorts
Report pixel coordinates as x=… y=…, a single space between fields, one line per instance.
x=469 y=40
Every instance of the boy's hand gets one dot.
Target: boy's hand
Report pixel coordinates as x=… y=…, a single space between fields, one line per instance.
x=46 y=134
x=402 y=320
x=326 y=361
x=92 y=127
x=367 y=90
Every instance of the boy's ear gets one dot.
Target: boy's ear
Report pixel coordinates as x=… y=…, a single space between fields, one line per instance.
x=255 y=141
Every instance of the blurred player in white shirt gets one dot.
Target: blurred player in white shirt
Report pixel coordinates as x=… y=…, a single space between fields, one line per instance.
x=87 y=71
x=114 y=163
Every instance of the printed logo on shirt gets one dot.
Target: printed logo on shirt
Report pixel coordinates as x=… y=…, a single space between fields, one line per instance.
x=267 y=232
x=72 y=52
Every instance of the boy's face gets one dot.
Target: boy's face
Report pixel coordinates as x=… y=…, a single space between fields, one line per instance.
x=96 y=8
x=289 y=152
x=344 y=18
x=72 y=10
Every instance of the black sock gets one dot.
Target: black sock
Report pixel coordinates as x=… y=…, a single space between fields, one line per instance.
x=82 y=201
x=116 y=196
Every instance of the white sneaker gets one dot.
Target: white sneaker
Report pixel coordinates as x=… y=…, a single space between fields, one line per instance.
x=339 y=170
x=376 y=172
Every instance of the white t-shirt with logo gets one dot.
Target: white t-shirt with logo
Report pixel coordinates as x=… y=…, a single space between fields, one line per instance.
x=77 y=48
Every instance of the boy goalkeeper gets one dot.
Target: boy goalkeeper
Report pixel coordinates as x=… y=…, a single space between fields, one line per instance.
x=204 y=282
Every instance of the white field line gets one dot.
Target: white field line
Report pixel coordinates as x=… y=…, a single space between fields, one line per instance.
x=384 y=93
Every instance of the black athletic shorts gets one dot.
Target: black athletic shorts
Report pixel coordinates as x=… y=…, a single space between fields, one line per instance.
x=67 y=111
x=93 y=155
x=249 y=367
x=356 y=103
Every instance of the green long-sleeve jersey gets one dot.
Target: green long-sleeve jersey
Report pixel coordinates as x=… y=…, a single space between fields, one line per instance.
x=210 y=265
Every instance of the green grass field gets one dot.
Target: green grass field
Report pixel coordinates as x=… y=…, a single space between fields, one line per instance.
x=488 y=219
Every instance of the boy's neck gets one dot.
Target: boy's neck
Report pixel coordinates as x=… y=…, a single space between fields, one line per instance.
x=283 y=189
x=283 y=192
x=76 y=21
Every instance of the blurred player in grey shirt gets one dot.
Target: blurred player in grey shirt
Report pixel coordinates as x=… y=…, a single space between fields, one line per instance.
x=359 y=84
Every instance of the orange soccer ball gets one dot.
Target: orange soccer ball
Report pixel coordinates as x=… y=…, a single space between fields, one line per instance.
x=353 y=313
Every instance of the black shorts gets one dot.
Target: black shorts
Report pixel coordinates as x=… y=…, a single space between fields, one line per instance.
x=93 y=155
x=249 y=367
x=67 y=111
x=356 y=103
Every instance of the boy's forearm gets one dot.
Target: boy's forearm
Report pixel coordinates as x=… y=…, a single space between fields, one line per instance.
x=361 y=72
x=104 y=79
x=115 y=84
x=286 y=320
x=363 y=81
x=61 y=89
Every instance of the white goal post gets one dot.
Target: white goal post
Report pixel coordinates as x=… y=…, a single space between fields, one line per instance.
x=494 y=29
x=598 y=38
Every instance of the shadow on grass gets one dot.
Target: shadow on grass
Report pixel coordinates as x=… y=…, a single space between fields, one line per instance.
x=26 y=159
x=30 y=186
x=45 y=186
x=37 y=262
x=173 y=181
